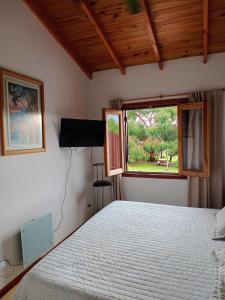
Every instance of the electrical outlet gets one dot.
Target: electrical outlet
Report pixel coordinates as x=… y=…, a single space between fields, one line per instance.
x=3 y=264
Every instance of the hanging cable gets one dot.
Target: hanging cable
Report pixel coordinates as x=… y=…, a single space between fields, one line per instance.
x=65 y=191
x=65 y=186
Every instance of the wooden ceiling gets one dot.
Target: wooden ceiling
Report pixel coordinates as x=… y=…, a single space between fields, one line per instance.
x=104 y=34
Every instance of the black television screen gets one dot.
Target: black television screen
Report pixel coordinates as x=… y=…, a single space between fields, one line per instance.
x=81 y=133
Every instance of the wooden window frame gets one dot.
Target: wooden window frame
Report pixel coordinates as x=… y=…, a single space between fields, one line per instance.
x=108 y=171
x=145 y=105
x=206 y=121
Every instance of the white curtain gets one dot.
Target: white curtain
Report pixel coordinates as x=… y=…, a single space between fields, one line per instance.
x=208 y=192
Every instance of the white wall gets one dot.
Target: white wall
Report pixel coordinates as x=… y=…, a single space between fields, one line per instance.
x=32 y=185
x=179 y=76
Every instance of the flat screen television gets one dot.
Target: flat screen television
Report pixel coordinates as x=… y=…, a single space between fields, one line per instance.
x=81 y=133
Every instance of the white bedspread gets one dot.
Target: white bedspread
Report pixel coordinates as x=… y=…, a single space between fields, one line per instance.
x=131 y=251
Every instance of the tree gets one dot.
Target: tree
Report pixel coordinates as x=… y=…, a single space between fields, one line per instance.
x=113 y=125
x=172 y=149
x=152 y=132
x=152 y=146
x=136 y=151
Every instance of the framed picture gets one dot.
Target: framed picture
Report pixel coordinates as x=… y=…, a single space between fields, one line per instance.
x=21 y=114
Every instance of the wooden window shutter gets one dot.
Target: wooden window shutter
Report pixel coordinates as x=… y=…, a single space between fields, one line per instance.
x=193 y=135
x=114 y=144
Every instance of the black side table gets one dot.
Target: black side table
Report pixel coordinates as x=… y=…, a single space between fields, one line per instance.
x=100 y=184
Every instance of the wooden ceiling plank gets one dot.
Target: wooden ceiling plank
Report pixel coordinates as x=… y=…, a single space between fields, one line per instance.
x=101 y=32
x=177 y=22
x=205 y=30
x=152 y=34
x=36 y=10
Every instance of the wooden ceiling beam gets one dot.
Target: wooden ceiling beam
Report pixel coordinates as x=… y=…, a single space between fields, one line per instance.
x=205 y=30
x=152 y=34
x=32 y=5
x=101 y=32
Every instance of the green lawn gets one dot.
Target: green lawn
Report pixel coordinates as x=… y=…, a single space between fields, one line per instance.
x=149 y=167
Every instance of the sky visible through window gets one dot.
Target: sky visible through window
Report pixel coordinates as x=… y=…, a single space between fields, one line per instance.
x=153 y=140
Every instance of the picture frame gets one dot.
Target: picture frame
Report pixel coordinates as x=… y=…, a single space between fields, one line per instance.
x=22 y=119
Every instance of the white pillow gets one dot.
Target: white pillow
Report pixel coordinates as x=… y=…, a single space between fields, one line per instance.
x=220 y=225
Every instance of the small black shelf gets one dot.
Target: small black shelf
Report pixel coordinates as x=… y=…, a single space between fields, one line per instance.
x=102 y=183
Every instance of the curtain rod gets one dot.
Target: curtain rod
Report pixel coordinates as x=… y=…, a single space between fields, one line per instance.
x=161 y=97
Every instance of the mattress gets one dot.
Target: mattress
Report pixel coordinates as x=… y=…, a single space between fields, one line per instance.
x=131 y=251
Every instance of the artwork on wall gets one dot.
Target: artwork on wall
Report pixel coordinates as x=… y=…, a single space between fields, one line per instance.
x=22 y=114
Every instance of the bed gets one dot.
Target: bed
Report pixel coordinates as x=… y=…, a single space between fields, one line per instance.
x=132 y=251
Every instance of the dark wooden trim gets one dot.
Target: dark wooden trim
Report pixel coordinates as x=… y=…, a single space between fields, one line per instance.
x=153 y=104
x=19 y=277
x=125 y=139
x=153 y=175
x=152 y=34
x=205 y=30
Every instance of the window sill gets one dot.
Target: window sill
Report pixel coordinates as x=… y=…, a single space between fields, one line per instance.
x=153 y=175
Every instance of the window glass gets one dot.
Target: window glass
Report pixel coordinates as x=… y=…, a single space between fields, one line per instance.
x=152 y=140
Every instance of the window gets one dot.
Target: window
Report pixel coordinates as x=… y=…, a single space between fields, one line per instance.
x=152 y=140
x=165 y=139
x=114 y=154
